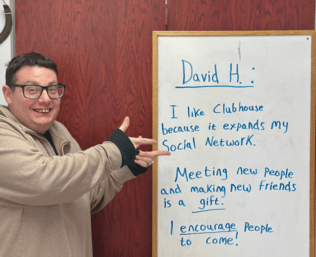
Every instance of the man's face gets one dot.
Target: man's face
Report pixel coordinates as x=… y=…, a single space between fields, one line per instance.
x=36 y=114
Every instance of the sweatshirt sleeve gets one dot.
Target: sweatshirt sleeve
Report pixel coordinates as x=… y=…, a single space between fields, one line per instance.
x=28 y=176
x=102 y=194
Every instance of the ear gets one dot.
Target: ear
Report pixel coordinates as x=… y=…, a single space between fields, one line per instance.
x=7 y=94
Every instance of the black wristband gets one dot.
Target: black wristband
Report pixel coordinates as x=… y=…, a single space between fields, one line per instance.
x=128 y=151
x=135 y=168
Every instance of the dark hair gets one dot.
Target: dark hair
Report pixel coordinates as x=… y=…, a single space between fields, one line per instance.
x=30 y=59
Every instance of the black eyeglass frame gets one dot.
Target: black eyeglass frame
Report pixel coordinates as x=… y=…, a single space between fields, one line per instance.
x=43 y=88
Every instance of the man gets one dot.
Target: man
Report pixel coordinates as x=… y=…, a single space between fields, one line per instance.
x=48 y=185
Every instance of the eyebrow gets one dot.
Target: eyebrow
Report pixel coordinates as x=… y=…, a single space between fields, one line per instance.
x=30 y=82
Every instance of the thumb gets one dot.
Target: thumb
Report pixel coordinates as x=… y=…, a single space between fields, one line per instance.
x=125 y=124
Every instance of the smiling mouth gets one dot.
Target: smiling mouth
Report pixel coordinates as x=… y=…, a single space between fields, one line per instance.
x=42 y=110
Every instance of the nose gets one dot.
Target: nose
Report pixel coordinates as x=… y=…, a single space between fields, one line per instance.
x=44 y=97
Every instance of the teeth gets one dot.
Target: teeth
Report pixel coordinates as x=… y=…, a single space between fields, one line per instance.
x=44 y=110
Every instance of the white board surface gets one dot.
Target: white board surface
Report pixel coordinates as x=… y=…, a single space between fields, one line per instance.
x=235 y=112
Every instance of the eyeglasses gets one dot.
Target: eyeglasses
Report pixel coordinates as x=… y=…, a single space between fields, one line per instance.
x=35 y=91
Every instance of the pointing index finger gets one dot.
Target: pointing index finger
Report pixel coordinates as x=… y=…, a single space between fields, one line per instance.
x=142 y=141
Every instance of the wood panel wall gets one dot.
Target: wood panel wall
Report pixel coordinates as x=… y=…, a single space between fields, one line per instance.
x=103 y=52
x=241 y=14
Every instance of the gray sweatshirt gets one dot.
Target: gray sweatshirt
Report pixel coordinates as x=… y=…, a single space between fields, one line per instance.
x=46 y=200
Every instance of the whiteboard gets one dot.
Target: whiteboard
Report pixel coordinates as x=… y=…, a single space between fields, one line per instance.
x=6 y=49
x=235 y=109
